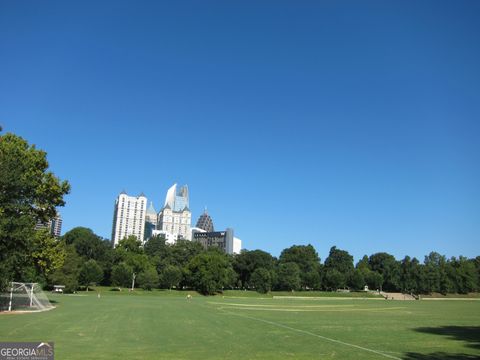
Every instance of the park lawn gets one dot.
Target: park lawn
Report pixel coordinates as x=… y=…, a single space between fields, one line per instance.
x=160 y=325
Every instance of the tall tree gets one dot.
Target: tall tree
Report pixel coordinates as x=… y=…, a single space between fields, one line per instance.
x=148 y=278
x=209 y=272
x=28 y=193
x=262 y=280
x=183 y=251
x=410 y=275
x=386 y=265
x=156 y=246
x=48 y=254
x=68 y=274
x=339 y=260
x=307 y=260
x=90 y=273
x=356 y=280
x=91 y=246
x=88 y=244
x=171 y=276
x=334 y=279
x=436 y=273
x=288 y=276
x=122 y=275
x=248 y=261
x=463 y=275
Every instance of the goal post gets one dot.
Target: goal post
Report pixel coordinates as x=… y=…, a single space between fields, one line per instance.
x=25 y=297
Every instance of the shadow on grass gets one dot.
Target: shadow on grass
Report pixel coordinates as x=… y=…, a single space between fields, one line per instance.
x=468 y=334
x=440 y=356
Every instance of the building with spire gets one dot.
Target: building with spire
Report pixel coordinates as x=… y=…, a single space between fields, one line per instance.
x=205 y=234
x=175 y=218
x=129 y=217
x=205 y=222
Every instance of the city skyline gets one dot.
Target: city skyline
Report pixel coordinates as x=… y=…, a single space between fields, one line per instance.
x=336 y=124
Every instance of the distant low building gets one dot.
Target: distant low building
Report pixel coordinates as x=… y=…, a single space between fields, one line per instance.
x=169 y=237
x=224 y=240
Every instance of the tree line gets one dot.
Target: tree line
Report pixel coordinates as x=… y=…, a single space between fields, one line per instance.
x=91 y=260
x=29 y=193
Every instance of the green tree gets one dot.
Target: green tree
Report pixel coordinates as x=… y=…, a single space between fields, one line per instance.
x=410 y=275
x=91 y=246
x=248 y=261
x=87 y=243
x=436 y=274
x=339 y=260
x=68 y=274
x=374 y=280
x=306 y=258
x=334 y=279
x=130 y=252
x=356 y=280
x=386 y=265
x=148 y=279
x=90 y=273
x=156 y=246
x=28 y=193
x=183 y=251
x=363 y=265
x=209 y=272
x=171 y=276
x=476 y=262
x=48 y=254
x=122 y=275
x=261 y=279
x=463 y=275
x=130 y=245
x=288 y=276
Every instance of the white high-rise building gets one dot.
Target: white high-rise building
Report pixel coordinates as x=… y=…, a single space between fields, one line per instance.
x=175 y=217
x=54 y=226
x=129 y=217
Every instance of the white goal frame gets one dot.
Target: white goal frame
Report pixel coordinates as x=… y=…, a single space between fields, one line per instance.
x=29 y=292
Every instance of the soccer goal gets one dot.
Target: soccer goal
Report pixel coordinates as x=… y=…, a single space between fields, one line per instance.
x=25 y=297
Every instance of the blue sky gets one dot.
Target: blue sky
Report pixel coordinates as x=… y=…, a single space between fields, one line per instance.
x=344 y=123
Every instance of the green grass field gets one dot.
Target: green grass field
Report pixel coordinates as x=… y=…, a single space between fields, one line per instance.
x=164 y=325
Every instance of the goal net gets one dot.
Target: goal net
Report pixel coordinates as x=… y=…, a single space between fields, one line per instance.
x=24 y=297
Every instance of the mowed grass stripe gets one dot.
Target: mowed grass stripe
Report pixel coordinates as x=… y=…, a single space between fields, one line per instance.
x=310 y=310
x=277 y=305
x=305 y=332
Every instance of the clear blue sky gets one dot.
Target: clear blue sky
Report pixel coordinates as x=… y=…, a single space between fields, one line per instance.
x=346 y=123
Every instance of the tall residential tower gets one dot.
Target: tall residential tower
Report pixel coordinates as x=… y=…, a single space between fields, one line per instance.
x=129 y=217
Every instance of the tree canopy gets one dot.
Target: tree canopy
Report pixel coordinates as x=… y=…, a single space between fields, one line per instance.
x=29 y=193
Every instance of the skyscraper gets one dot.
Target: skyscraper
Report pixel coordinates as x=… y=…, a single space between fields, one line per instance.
x=175 y=217
x=129 y=217
x=151 y=219
x=205 y=222
x=177 y=199
x=54 y=226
